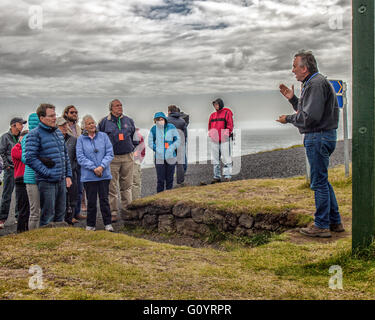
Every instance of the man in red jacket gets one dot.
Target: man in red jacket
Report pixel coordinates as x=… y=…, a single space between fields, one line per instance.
x=220 y=130
x=22 y=200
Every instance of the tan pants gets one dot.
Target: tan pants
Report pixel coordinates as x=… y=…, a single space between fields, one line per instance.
x=137 y=181
x=34 y=200
x=122 y=174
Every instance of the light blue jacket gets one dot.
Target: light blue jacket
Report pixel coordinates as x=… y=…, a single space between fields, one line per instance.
x=159 y=137
x=92 y=153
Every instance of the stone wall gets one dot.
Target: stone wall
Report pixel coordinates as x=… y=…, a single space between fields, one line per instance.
x=191 y=221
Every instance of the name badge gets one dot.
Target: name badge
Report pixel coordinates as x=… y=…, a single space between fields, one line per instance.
x=121 y=137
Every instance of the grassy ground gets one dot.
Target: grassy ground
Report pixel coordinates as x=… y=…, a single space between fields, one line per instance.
x=99 y=265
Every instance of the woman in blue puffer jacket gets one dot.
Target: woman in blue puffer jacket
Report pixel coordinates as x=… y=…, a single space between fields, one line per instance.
x=94 y=154
x=164 y=140
x=29 y=179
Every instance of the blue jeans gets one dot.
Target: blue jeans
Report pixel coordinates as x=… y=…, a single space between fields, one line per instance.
x=319 y=146
x=52 y=201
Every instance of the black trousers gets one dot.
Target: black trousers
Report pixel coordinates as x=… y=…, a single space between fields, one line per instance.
x=93 y=190
x=164 y=174
x=22 y=206
x=71 y=199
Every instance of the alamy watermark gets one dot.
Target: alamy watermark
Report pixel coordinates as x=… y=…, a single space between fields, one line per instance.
x=335 y=282
x=36 y=18
x=36 y=281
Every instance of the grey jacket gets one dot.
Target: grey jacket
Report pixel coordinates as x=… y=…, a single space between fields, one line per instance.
x=317 y=108
x=7 y=142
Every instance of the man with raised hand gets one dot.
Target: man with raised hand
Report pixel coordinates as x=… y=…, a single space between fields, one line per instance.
x=316 y=116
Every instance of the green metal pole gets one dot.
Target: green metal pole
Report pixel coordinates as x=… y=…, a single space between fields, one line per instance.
x=363 y=123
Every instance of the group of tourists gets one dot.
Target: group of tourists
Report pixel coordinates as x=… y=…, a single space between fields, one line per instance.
x=57 y=164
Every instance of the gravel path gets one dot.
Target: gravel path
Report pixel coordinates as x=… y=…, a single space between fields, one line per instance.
x=273 y=164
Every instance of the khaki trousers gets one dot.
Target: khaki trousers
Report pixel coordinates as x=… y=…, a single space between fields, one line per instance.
x=34 y=201
x=137 y=181
x=122 y=175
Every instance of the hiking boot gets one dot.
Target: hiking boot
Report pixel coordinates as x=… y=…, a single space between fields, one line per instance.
x=337 y=227
x=227 y=179
x=109 y=228
x=314 y=231
x=114 y=219
x=2 y=222
x=90 y=228
x=81 y=217
x=216 y=180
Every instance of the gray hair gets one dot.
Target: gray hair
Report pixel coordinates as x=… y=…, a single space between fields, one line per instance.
x=110 y=104
x=83 y=122
x=307 y=60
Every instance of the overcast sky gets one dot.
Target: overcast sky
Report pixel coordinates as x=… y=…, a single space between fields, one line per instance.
x=146 y=48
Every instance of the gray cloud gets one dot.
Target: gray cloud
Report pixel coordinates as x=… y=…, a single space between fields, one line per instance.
x=156 y=47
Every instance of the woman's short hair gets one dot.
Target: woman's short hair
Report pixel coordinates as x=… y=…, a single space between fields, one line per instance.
x=84 y=119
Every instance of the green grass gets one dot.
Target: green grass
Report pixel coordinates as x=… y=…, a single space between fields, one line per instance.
x=101 y=265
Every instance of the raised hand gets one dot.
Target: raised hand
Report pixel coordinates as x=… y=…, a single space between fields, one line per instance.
x=286 y=92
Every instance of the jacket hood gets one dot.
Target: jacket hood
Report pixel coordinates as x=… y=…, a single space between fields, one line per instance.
x=220 y=102
x=33 y=121
x=161 y=115
x=175 y=114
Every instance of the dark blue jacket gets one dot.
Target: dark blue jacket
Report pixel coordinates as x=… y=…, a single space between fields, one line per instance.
x=47 y=142
x=109 y=126
x=179 y=123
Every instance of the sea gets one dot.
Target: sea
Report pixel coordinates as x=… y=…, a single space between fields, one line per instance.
x=249 y=138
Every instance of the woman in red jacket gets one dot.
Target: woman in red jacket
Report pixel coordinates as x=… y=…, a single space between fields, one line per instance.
x=22 y=200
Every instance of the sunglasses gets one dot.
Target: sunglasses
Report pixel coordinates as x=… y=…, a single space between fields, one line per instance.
x=73 y=112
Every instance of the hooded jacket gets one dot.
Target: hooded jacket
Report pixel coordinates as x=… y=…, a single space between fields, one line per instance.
x=220 y=124
x=92 y=153
x=47 y=142
x=164 y=141
x=179 y=123
x=29 y=176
